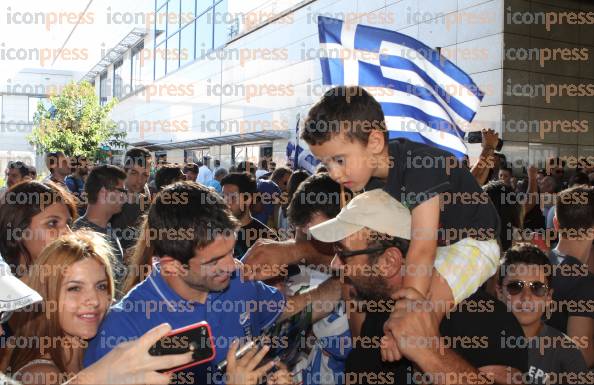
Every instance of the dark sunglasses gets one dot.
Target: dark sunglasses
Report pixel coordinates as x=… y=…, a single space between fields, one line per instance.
x=342 y=254
x=538 y=288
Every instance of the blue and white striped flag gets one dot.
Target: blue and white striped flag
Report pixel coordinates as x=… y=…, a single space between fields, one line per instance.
x=425 y=97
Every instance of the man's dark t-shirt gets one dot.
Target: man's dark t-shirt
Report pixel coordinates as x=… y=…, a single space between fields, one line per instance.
x=481 y=331
x=126 y=223
x=420 y=172
x=247 y=235
x=573 y=291
x=118 y=268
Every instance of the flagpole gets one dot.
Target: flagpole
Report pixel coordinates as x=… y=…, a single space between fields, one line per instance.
x=296 y=161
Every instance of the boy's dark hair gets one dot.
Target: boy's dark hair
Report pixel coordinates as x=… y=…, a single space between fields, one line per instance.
x=21 y=167
x=525 y=254
x=137 y=156
x=348 y=109
x=199 y=211
x=316 y=194
x=575 y=209
x=245 y=182
x=106 y=176
x=191 y=167
x=167 y=175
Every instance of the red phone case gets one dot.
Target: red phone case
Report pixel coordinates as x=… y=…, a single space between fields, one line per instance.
x=190 y=327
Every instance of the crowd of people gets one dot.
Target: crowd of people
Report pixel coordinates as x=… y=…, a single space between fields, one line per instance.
x=408 y=265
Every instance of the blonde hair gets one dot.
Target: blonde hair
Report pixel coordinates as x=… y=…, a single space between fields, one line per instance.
x=41 y=320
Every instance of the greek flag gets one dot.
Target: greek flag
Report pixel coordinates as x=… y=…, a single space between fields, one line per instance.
x=425 y=97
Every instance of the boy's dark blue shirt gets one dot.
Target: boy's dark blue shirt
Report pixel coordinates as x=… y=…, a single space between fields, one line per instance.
x=419 y=172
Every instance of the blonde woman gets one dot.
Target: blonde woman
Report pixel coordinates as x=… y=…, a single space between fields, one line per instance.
x=73 y=275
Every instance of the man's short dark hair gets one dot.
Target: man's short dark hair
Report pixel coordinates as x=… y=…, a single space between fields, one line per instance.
x=51 y=159
x=21 y=167
x=245 y=182
x=167 y=175
x=524 y=254
x=579 y=178
x=191 y=167
x=279 y=173
x=316 y=194
x=575 y=208
x=137 y=156
x=201 y=213
x=347 y=109
x=104 y=176
x=508 y=169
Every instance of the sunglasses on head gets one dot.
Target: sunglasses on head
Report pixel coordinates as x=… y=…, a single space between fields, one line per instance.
x=5 y=316
x=538 y=288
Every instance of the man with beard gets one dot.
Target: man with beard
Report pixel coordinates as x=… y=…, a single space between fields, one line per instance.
x=409 y=345
x=126 y=223
x=239 y=191
x=58 y=165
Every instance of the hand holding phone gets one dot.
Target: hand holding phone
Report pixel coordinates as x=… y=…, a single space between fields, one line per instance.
x=196 y=338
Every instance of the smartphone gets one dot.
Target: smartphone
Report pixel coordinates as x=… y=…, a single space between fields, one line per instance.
x=196 y=338
x=477 y=137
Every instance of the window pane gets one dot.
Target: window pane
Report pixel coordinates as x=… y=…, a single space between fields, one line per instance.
x=160 y=54
x=173 y=53
x=160 y=25
x=187 y=44
x=117 y=80
x=203 y=35
x=137 y=64
x=173 y=17
x=103 y=88
x=160 y=3
x=224 y=28
x=188 y=11
x=202 y=6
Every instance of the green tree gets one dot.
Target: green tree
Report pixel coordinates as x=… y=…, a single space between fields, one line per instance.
x=76 y=123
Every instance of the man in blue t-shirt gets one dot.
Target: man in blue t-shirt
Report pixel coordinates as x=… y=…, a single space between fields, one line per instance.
x=192 y=232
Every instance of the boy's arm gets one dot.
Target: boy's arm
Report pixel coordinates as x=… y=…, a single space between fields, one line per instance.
x=423 y=246
x=323 y=299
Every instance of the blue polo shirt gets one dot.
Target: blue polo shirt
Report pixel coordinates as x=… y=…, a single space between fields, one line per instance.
x=242 y=310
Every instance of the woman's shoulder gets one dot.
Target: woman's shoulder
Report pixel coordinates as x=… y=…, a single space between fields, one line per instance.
x=38 y=372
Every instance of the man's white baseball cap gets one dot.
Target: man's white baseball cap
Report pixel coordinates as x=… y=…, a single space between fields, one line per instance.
x=374 y=209
x=14 y=294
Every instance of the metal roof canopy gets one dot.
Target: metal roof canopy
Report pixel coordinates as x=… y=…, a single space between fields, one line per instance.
x=116 y=53
x=218 y=140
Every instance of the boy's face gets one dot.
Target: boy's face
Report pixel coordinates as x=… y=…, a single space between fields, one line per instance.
x=528 y=304
x=350 y=163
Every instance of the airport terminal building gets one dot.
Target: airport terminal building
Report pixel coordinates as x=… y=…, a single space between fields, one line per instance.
x=220 y=79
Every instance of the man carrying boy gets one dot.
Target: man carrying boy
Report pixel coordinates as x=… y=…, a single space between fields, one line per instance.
x=346 y=130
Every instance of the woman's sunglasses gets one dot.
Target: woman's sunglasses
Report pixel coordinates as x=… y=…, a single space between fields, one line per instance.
x=538 y=288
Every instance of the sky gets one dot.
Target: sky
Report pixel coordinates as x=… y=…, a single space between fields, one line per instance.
x=33 y=31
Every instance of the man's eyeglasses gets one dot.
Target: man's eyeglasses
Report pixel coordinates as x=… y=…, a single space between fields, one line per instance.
x=121 y=189
x=538 y=288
